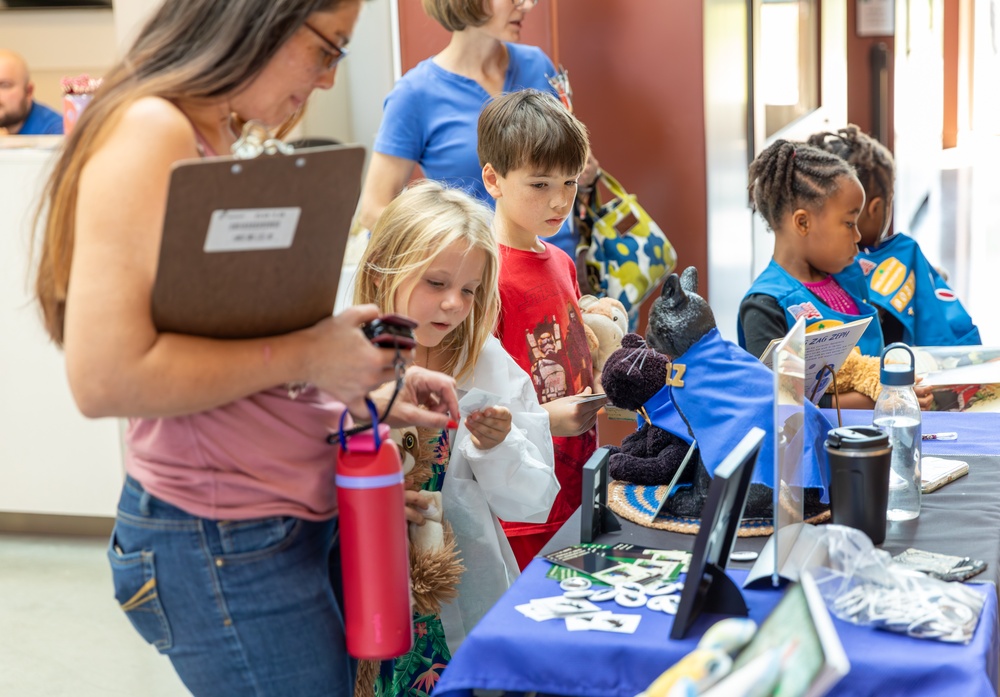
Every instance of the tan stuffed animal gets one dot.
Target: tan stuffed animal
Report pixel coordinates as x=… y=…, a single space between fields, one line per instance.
x=605 y=322
x=859 y=374
x=435 y=568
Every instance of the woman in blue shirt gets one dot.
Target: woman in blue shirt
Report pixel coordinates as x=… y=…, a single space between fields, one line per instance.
x=430 y=116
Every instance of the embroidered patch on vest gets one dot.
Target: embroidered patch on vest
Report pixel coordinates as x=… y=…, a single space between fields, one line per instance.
x=901 y=299
x=889 y=276
x=806 y=309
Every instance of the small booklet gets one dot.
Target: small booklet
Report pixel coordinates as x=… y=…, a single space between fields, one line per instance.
x=935 y=472
x=823 y=347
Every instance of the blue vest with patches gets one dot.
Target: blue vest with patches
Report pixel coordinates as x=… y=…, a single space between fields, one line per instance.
x=902 y=282
x=799 y=301
x=725 y=392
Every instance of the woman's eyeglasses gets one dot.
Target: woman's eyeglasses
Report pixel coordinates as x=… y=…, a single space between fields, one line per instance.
x=521 y=3
x=333 y=57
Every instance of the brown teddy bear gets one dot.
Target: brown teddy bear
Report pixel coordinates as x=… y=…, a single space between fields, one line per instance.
x=651 y=455
x=605 y=322
x=435 y=567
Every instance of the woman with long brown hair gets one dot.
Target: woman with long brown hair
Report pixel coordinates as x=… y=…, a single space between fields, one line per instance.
x=224 y=553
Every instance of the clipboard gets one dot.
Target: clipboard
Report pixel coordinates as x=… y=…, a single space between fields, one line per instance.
x=254 y=248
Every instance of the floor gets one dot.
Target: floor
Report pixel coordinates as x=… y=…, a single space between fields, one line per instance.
x=61 y=633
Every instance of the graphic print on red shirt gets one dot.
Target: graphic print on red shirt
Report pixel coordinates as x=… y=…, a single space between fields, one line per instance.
x=541 y=328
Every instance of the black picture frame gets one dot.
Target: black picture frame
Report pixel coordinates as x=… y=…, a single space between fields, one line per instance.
x=706 y=587
x=595 y=516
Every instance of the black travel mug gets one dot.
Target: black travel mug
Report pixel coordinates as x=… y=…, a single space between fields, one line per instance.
x=860 y=459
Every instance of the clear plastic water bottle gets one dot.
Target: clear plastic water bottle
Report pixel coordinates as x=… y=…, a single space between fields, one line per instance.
x=897 y=413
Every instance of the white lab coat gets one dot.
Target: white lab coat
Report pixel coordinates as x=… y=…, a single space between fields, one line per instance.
x=514 y=481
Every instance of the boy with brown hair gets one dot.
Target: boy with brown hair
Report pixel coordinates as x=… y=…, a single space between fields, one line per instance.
x=533 y=151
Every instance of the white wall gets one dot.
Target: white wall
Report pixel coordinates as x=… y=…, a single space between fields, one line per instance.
x=58 y=43
x=52 y=459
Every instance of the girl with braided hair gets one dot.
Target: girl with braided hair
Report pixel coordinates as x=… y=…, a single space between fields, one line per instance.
x=811 y=200
x=914 y=302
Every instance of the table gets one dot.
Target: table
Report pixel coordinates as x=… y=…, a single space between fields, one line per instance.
x=978 y=433
x=508 y=651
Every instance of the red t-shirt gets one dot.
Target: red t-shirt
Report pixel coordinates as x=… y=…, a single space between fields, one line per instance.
x=541 y=328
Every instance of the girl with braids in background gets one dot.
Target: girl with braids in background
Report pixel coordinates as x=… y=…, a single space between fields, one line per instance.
x=811 y=200
x=915 y=304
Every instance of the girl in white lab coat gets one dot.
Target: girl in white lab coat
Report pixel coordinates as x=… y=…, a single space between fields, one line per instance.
x=433 y=257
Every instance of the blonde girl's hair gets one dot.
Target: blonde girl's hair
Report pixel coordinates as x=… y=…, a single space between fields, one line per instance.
x=412 y=230
x=188 y=50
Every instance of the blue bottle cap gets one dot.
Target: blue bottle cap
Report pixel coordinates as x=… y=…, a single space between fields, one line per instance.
x=896 y=374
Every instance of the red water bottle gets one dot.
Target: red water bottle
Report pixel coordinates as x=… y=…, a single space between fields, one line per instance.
x=373 y=545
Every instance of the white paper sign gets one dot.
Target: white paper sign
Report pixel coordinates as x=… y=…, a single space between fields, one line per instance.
x=876 y=17
x=246 y=229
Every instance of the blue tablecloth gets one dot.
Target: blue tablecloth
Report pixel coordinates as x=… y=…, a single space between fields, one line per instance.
x=978 y=433
x=508 y=651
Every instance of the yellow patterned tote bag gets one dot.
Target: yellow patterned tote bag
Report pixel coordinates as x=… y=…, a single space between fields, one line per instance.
x=628 y=254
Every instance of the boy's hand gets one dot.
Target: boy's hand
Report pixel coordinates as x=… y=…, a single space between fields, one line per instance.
x=568 y=416
x=489 y=426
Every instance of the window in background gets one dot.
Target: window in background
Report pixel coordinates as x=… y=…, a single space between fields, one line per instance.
x=788 y=76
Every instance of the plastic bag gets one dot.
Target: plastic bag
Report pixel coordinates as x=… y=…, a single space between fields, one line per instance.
x=864 y=586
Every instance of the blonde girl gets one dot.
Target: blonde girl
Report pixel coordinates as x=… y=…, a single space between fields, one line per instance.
x=433 y=257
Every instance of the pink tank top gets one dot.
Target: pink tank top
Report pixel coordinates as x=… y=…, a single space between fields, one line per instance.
x=263 y=455
x=259 y=456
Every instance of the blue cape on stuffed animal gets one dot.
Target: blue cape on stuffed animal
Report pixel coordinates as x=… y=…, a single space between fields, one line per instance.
x=715 y=391
x=724 y=392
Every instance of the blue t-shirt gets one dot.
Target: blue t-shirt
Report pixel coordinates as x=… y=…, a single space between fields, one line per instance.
x=42 y=121
x=431 y=117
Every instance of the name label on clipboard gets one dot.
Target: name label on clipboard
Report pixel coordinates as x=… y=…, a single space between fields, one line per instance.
x=251 y=229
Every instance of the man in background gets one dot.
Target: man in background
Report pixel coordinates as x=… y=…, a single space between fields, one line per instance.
x=19 y=113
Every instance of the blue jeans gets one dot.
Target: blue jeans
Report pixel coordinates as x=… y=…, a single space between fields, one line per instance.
x=242 y=608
